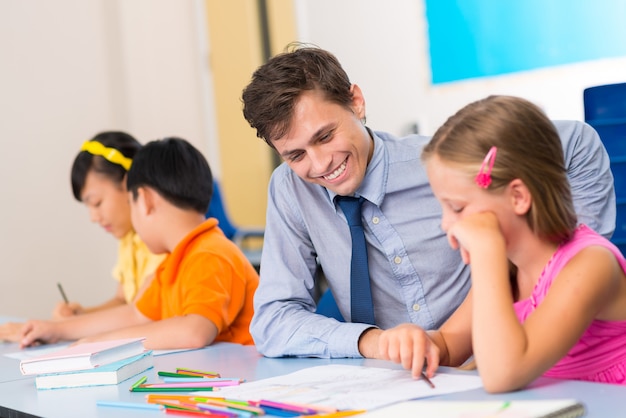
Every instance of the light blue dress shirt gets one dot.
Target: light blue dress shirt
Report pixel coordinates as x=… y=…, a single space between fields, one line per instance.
x=416 y=277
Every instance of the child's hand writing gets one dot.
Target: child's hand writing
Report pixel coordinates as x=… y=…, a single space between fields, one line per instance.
x=11 y=331
x=409 y=345
x=35 y=331
x=65 y=310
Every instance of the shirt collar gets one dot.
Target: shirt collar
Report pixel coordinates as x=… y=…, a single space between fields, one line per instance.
x=130 y=238
x=374 y=182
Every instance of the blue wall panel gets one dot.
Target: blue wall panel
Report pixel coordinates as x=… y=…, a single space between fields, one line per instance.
x=478 y=38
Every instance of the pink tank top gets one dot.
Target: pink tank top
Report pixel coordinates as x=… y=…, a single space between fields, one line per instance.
x=600 y=354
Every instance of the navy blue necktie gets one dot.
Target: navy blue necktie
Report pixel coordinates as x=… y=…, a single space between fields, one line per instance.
x=362 y=309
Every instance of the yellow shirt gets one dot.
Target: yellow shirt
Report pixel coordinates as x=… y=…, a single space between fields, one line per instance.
x=134 y=263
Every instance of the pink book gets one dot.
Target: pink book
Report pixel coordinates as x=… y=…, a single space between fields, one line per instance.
x=83 y=356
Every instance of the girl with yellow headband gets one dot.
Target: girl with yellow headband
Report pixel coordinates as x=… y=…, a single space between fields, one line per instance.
x=99 y=181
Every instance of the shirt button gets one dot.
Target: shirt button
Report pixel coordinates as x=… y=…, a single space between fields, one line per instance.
x=375 y=220
x=397 y=259
x=416 y=307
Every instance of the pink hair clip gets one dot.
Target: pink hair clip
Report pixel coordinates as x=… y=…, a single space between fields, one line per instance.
x=483 y=178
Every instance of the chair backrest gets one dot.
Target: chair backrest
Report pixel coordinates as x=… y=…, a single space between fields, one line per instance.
x=217 y=210
x=605 y=102
x=605 y=110
x=327 y=306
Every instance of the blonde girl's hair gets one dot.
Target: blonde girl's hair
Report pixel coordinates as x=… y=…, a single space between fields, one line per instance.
x=528 y=148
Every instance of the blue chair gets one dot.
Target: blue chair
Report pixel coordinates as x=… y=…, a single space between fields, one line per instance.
x=327 y=306
x=605 y=110
x=243 y=237
x=606 y=102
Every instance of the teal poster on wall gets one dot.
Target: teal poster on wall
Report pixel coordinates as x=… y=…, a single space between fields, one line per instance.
x=479 y=38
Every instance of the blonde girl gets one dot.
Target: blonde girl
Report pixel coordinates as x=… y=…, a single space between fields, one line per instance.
x=548 y=295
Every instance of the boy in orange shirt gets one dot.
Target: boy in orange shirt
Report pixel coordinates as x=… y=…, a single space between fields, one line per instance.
x=202 y=292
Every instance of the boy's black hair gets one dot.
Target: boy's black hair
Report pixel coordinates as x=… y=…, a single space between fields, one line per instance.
x=176 y=170
x=86 y=162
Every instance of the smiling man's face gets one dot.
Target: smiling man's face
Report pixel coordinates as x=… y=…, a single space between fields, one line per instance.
x=326 y=143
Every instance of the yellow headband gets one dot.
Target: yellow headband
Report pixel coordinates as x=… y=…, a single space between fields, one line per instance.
x=110 y=154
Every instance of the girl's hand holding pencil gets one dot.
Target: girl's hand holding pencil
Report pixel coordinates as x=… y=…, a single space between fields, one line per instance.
x=65 y=308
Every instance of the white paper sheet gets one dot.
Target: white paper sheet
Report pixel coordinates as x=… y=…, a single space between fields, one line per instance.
x=349 y=387
x=40 y=350
x=483 y=409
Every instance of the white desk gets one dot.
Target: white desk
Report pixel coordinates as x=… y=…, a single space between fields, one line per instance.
x=20 y=398
x=10 y=367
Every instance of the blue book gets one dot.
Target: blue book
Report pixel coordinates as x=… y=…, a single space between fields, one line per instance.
x=109 y=374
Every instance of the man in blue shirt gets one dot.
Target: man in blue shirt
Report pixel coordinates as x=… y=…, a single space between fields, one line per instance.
x=304 y=106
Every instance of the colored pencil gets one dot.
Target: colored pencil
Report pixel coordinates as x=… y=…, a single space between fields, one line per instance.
x=181 y=398
x=138 y=382
x=222 y=410
x=203 y=383
x=134 y=405
x=193 y=413
x=208 y=380
x=340 y=414
x=180 y=375
x=238 y=406
x=197 y=372
x=172 y=389
x=286 y=407
x=280 y=412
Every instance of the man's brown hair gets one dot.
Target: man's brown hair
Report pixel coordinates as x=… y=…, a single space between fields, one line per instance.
x=270 y=97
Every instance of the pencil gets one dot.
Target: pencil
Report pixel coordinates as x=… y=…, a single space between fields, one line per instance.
x=430 y=383
x=138 y=382
x=172 y=389
x=134 y=405
x=63 y=295
x=181 y=398
x=191 y=413
x=343 y=413
x=197 y=372
x=285 y=407
x=205 y=380
x=195 y=384
x=180 y=375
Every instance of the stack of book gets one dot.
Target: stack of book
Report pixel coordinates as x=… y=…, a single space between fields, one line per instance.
x=89 y=364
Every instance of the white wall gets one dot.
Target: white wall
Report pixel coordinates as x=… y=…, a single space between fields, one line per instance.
x=71 y=68
x=383 y=46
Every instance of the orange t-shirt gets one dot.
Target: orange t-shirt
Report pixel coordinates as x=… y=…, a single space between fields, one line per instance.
x=208 y=275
